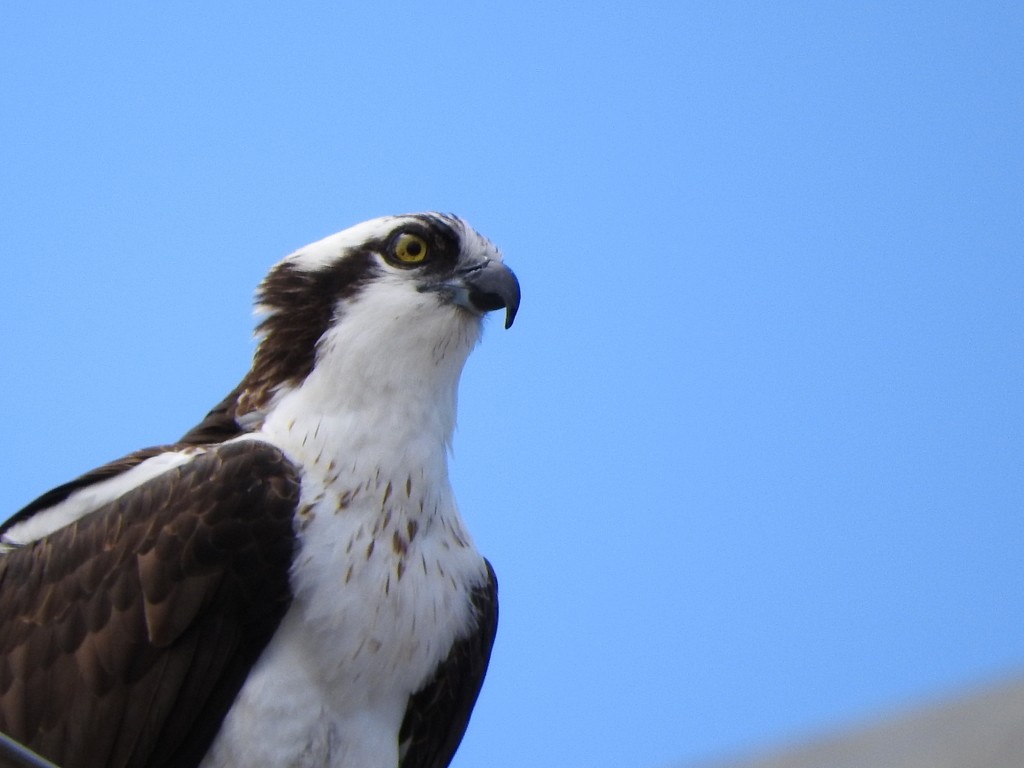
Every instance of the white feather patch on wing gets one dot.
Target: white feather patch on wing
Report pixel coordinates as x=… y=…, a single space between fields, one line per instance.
x=92 y=497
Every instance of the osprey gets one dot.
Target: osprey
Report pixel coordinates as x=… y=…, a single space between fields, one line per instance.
x=291 y=583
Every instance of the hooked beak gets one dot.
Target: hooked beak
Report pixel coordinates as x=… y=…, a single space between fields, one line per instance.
x=485 y=287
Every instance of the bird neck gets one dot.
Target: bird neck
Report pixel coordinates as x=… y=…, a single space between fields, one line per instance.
x=386 y=410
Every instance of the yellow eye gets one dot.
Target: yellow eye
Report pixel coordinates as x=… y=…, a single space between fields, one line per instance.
x=409 y=248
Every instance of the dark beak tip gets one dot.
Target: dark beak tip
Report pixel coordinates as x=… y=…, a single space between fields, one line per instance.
x=511 y=296
x=511 y=308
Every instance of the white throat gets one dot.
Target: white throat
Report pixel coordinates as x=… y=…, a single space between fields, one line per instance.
x=378 y=402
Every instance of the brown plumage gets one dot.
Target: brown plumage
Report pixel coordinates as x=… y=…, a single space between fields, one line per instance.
x=168 y=594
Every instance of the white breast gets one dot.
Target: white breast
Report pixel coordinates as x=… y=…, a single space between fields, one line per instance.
x=381 y=583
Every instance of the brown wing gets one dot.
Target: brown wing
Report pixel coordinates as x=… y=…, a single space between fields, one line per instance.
x=437 y=716
x=125 y=636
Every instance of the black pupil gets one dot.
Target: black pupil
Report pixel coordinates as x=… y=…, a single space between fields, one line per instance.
x=413 y=248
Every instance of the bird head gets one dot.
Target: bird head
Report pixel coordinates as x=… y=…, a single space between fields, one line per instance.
x=392 y=297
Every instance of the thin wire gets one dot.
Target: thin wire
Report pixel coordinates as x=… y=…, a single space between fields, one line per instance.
x=14 y=755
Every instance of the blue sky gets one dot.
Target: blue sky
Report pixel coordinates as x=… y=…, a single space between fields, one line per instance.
x=749 y=463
